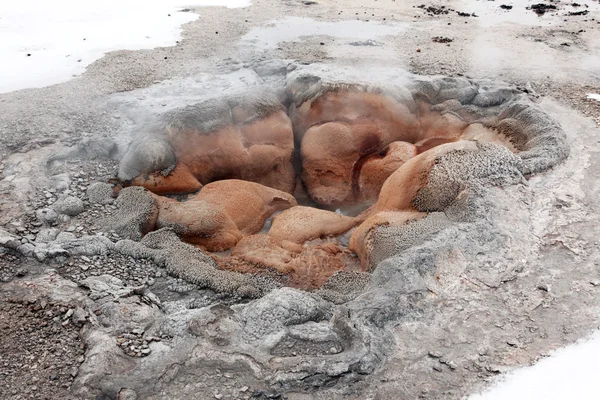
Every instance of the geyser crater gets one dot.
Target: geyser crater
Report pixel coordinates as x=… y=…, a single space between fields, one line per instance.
x=253 y=178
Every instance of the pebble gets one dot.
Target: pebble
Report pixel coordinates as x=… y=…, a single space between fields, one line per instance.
x=68 y=314
x=434 y=354
x=544 y=287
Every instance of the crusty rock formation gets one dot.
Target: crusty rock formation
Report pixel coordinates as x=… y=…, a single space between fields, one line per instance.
x=136 y=214
x=350 y=133
x=406 y=150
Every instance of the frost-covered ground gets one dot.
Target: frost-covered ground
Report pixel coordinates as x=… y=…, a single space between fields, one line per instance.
x=570 y=373
x=48 y=42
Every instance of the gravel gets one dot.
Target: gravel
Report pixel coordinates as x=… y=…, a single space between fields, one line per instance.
x=40 y=350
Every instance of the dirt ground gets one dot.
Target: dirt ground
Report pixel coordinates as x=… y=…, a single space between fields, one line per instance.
x=554 y=56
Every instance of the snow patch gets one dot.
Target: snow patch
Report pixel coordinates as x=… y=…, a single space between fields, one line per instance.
x=569 y=373
x=593 y=96
x=48 y=42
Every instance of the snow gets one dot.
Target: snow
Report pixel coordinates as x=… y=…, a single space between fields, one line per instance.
x=62 y=37
x=569 y=373
x=593 y=96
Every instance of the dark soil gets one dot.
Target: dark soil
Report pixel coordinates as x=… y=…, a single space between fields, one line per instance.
x=541 y=8
x=575 y=13
x=40 y=350
x=442 y=39
x=434 y=10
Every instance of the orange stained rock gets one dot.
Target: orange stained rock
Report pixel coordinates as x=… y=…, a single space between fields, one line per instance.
x=401 y=188
x=332 y=155
x=360 y=241
x=300 y=224
x=259 y=150
x=342 y=135
x=318 y=262
x=267 y=251
x=308 y=266
x=377 y=167
x=439 y=125
x=180 y=180
x=223 y=212
x=351 y=106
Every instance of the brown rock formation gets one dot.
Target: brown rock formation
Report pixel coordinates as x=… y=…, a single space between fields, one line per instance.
x=260 y=151
x=300 y=224
x=401 y=188
x=377 y=167
x=352 y=140
x=180 y=180
x=338 y=130
x=267 y=251
x=223 y=212
x=308 y=266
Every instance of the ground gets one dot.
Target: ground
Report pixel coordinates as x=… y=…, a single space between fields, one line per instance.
x=544 y=301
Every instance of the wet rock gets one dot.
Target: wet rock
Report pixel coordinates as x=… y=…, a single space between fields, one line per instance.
x=257 y=133
x=217 y=218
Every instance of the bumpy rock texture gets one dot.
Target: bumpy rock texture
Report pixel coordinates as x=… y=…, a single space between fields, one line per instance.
x=412 y=148
x=430 y=174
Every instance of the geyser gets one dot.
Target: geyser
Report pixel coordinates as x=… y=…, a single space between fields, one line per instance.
x=258 y=176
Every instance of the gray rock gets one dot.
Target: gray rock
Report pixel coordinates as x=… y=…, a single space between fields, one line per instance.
x=127 y=394
x=65 y=237
x=47 y=215
x=9 y=240
x=136 y=213
x=69 y=205
x=100 y=193
x=47 y=234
